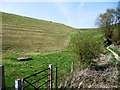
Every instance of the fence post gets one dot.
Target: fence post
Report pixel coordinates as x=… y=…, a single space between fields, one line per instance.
x=2 y=82
x=56 y=70
x=50 y=67
x=18 y=84
x=22 y=84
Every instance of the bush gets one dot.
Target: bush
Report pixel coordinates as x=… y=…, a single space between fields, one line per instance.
x=87 y=45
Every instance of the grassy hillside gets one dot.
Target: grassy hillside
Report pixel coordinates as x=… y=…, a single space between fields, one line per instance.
x=28 y=35
x=63 y=59
x=24 y=36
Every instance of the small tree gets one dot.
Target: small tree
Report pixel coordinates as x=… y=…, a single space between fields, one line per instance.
x=118 y=21
x=108 y=21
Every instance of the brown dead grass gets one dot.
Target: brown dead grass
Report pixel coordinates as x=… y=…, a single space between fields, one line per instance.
x=105 y=75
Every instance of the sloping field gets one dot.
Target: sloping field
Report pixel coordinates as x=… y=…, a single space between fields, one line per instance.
x=24 y=36
x=27 y=35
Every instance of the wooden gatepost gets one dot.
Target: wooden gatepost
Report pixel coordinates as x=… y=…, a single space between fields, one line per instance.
x=2 y=80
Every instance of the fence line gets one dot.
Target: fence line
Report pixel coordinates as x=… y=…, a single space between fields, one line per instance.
x=20 y=83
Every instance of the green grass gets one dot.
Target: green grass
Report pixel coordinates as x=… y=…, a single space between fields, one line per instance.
x=23 y=35
x=18 y=69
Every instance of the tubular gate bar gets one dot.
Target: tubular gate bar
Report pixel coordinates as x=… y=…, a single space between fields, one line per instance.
x=20 y=83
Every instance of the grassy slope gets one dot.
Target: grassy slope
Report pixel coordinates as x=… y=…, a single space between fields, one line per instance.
x=23 y=36
x=28 y=35
x=63 y=59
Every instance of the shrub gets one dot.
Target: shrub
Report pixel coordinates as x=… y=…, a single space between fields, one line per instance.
x=87 y=45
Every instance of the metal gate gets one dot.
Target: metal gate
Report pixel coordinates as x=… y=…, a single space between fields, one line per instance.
x=32 y=82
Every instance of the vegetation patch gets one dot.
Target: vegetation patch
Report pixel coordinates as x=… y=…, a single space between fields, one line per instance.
x=115 y=50
x=87 y=45
x=114 y=60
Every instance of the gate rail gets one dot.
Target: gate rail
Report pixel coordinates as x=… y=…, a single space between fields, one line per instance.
x=20 y=83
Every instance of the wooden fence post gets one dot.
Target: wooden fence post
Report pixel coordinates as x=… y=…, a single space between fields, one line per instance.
x=18 y=84
x=22 y=84
x=2 y=82
x=56 y=70
x=50 y=78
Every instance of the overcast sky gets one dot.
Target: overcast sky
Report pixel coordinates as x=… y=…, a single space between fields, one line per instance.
x=75 y=14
